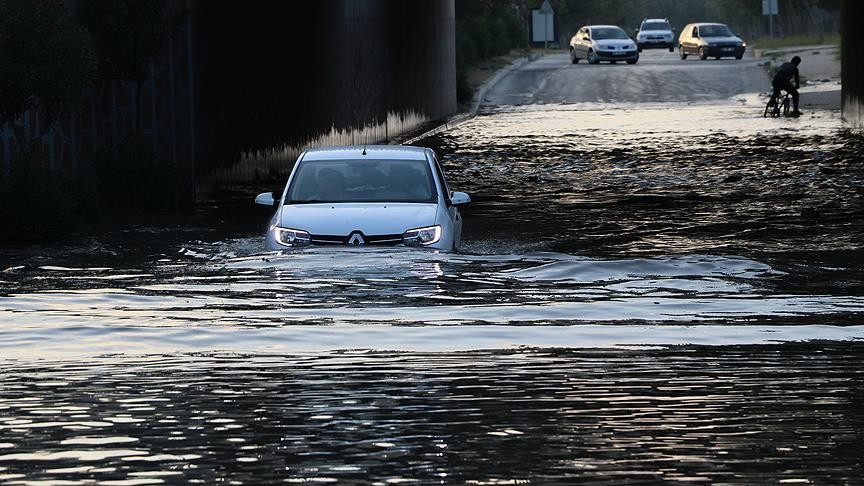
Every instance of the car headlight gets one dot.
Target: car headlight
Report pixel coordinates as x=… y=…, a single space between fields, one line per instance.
x=292 y=237
x=422 y=236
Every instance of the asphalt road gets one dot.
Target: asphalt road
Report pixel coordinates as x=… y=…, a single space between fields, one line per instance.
x=659 y=76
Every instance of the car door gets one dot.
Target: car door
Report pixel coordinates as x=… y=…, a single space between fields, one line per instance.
x=579 y=47
x=692 y=46
x=585 y=43
x=576 y=43
x=453 y=215
x=682 y=36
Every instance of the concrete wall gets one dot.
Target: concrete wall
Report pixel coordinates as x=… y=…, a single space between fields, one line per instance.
x=852 y=70
x=244 y=87
x=107 y=112
x=278 y=76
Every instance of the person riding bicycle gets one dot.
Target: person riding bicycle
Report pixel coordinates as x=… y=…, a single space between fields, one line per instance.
x=783 y=81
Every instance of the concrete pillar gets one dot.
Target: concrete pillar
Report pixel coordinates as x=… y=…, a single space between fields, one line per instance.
x=852 y=69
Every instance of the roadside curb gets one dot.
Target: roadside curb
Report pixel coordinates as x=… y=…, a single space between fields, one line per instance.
x=485 y=87
x=479 y=94
x=759 y=52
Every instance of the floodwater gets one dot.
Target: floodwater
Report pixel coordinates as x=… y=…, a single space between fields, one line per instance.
x=649 y=293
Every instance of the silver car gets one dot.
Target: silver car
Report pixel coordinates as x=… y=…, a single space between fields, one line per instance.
x=596 y=43
x=383 y=195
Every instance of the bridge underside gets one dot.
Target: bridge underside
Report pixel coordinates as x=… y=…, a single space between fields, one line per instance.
x=272 y=73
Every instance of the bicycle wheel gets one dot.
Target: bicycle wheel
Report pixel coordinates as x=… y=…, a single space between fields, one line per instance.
x=768 y=107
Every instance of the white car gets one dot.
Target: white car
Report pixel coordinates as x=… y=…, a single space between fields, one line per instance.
x=366 y=195
x=655 y=34
x=596 y=43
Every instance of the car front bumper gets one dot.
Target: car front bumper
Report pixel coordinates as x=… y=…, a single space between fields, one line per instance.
x=655 y=44
x=617 y=55
x=346 y=241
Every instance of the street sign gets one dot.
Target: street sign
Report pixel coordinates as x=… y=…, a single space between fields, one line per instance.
x=770 y=7
x=542 y=26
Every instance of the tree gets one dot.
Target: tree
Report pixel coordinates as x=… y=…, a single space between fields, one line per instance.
x=46 y=60
x=128 y=35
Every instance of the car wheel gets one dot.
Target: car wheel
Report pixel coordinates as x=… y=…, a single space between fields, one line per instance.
x=632 y=61
x=702 y=54
x=739 y=56
x=573 y=58
x=681 y=52
x=671 y=49
x=592 y=58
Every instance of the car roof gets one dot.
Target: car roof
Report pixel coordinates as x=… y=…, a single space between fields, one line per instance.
x=700 y=24
x=601 y=26
x=380 y=152
x=656 y=20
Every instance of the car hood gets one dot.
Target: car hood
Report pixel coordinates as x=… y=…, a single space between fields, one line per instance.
x=614 y=42
x=722 y=39
x=655 y=32
x=370 y=218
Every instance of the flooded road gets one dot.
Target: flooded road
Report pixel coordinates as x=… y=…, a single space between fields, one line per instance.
x=646 y=292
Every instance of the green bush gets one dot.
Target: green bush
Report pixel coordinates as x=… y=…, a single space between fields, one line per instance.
x=483 y=30
x=40 y=204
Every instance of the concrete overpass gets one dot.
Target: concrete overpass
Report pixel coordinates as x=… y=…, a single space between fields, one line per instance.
x=242 y=87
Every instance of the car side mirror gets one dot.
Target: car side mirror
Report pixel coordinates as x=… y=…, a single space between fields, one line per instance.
x=265 y=199
x=459 y=198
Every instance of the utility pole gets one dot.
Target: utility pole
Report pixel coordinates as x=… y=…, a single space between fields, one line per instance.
x=770 y=8
x=547 y=12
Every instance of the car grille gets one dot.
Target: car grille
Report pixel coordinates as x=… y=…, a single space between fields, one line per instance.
x=376 y=240
x=656 y=37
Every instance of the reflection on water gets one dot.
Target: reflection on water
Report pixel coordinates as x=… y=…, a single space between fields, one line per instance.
x=635 y=303
x=410 y=300
x=654 y=180
x=744 y=414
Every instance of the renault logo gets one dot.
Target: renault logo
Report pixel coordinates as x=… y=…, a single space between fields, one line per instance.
x=356 y=239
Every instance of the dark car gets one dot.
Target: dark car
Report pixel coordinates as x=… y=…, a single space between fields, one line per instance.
x=710 y=40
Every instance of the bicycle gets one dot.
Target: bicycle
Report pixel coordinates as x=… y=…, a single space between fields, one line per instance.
x=777 y=106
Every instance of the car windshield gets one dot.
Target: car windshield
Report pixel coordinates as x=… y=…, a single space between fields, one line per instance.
x=655 y=26
x=601 y=33
x=337 y=181
x=719 y=30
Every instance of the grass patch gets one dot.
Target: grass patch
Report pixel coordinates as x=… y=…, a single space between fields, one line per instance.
x=477 y=74
x=795 y=41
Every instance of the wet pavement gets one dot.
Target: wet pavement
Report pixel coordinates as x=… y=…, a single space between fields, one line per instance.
x=646 y=292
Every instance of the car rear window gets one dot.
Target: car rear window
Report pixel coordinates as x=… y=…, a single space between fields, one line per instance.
x=336 y=181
